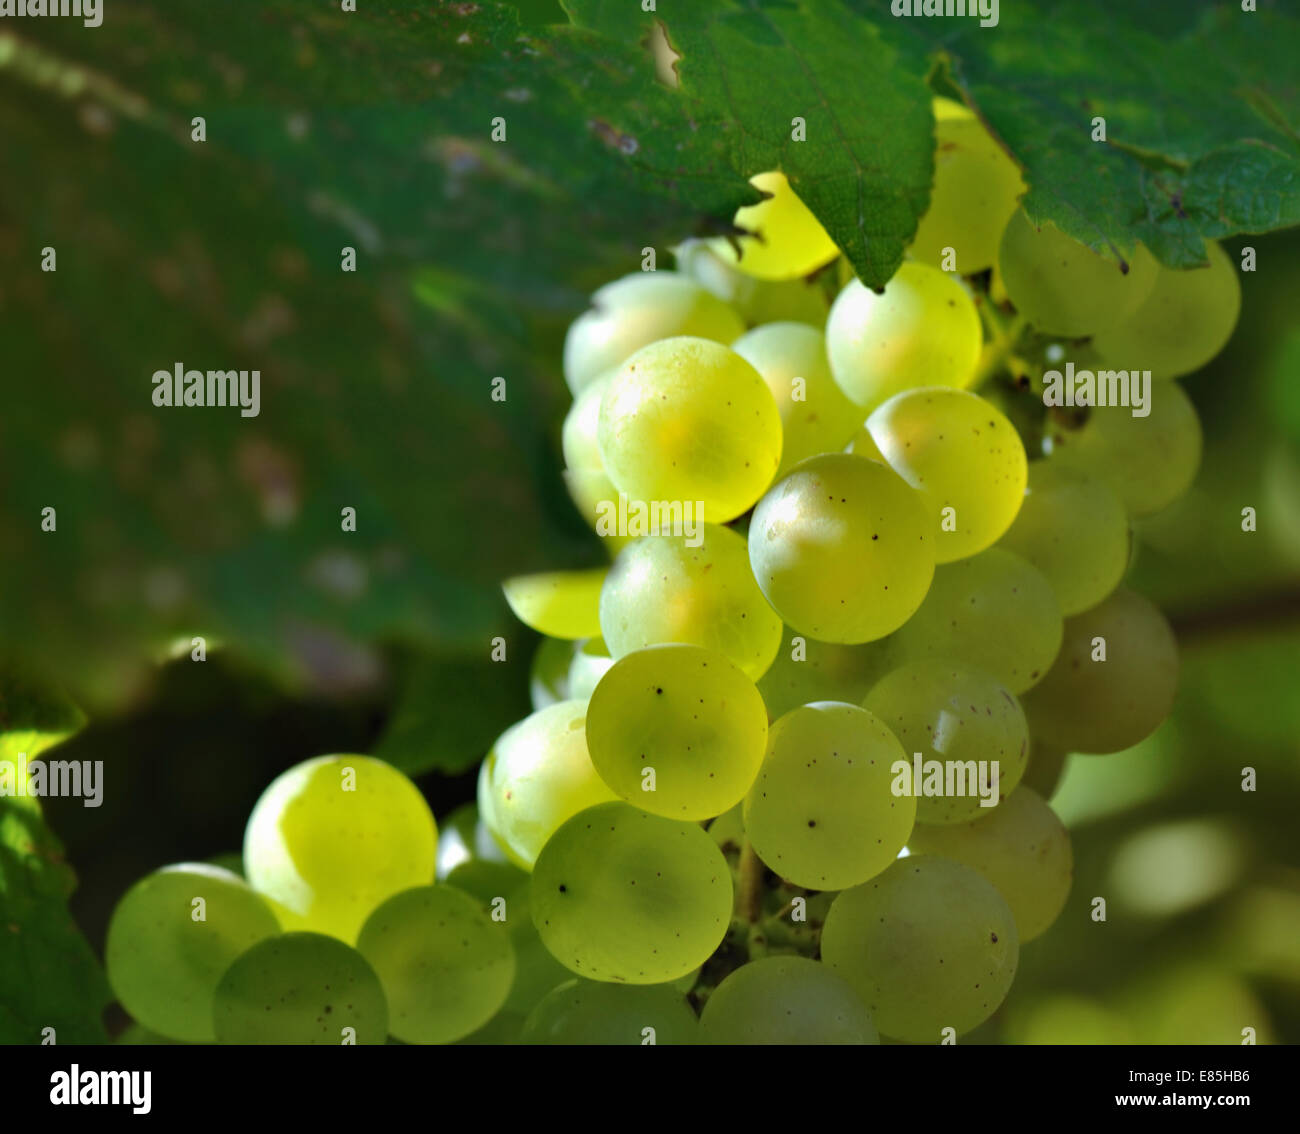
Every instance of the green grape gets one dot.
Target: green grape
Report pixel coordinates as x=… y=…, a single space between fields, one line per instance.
x=548 y=676
x=301 y=988
x=662 y=589
x=560 y=604
x=589 y=1012
x=536 y=971
x=1182 y=323
x=596 y=499
x=757 y=301
x=455 y=839
x=136 y=1036
x=787 y=241
x=487 y=847
x=822 y=813
x=445 y=966
x=578 y=437
x=1045 y=768
x=541 y=774
x=503 y=1029
x=1021 y=847
x=966 y=720
x=620 y=895
x=688 y=421
x=994 y=612
x=816 y=417
x=1074 y=529
x=1088 y=703
x=639 y=309
x=162 y=963
x=677 y=730
x=1063 y=287
x=486 y=880
x=786 y=1000
x=333 y=837
x=590 y=661
x=1149 y=461
x=806 y=670
x=962 y=455
x=923 y=330
x=976 y=188
x=947 y=109
x=842 y=548
x=483 y=797
x=927 y=945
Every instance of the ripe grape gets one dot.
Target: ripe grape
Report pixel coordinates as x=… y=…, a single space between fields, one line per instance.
x=333 y=837
x=757 y=301
x=591 y=1012
x=444 y=965
x=816 y=417
x=621 y=895
x=677 y=730
x=548 y=675
x=301 y=988
x=807 y=670
x=578 y=436
x=1063 y=287
x=923 y=330
x=537 y=972
x=596 y=499
x=1074 y=529
x=1087 y=704
x=590 y=661
x=1184 y=320
x=686 y=420
x=1021 y=847
x=484 y=880
x=976 y=189
x=960 y=716
x=164 y=960
x=994 y=611
x=822 y=813
x=928 y=945
x=1149 y=461
x=541 y=774
x=560 y=604
x=639 y=309
x=842 y=548
x=786 y=1000
x=787 y=241
x=661 y=589
x=962 y=455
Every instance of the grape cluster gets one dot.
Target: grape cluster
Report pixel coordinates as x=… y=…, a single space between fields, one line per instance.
x=787 y=773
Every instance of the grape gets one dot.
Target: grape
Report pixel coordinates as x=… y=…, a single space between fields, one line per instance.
x=485 y=880
x=455 y=839
x=661 y=589
x=1063 y=287
x=541 y=774
x=163 y=964
x=842 y=548
x=957 y=716
x=757 y=301
x=1074 y=529
x=962 y=455
x=976 y=187
x=578 y=437
x=947 y=109
x=333 y=837
x=1184 y=320
x=1149 y=461
x=301 y=988
x=822 y=813
x=686 y=420
x=560 y=604
x=621 y=895
x=994 y=612
x=787 y=241
x=685 y=714
x=927 y=945
x=1045 y=768
x=591 y=1012
x=1089 y=705
x=816 y=417
x=637 y=310
x=596 y=499
x=806 y=670
x=548 y=676
x=786 y=1000
x=1021 y=847
x=923 y=330
x=536 y=971
x=445 y=966
x=590 y=661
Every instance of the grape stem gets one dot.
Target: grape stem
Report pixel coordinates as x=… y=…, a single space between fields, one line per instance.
x=1004 y=338
x=751 y=884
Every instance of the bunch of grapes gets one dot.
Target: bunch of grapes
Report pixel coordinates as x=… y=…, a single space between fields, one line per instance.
x=787 y=773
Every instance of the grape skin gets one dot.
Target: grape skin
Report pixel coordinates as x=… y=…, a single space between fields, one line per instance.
x=591 y=1012
x=559 y=604
x=787 y=241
